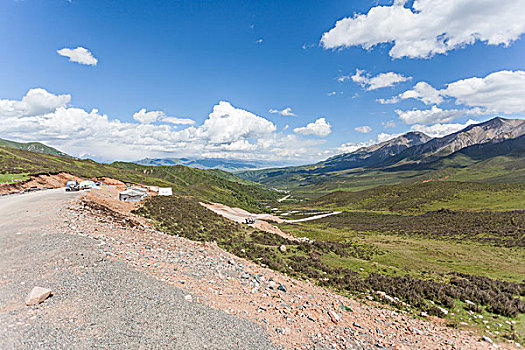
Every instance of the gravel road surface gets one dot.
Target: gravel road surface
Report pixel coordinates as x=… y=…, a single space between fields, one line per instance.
x=96 y=302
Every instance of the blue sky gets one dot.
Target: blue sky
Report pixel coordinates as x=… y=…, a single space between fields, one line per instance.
x=181 y=58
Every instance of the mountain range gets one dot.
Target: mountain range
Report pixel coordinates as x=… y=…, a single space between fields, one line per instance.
x=231 y=165
x=413 y=151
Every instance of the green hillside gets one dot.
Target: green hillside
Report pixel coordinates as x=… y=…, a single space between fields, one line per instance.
x=33 y=147
x=204 y=184
x=423 y=197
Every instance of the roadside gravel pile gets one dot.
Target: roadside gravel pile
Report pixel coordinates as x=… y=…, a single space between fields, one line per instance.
x=295 y=313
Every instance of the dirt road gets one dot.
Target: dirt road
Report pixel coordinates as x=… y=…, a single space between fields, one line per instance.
x=97 y=302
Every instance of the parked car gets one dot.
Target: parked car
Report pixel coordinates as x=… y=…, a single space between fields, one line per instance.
x=72 y=185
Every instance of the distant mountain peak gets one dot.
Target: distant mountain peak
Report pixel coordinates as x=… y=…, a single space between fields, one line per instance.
x=495 y=130
x=375 y=154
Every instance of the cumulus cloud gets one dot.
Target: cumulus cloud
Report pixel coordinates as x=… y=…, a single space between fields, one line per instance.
x=424 y=92
x=227 y=132
x=36 y=101
x=440 y=130
x=499 y=92
x=229 y=124
x=79 y=55
x=381 y=80
x=429 y=116
x=319 y=128
x=147 y=117
x=430 y=27
x=365 y=129
x=286 y=112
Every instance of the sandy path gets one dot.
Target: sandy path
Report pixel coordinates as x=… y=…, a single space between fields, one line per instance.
x=284 y=198
x=315 y=217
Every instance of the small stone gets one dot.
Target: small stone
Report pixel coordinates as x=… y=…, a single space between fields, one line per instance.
x=282 y=288
x=37 y=295
x=334 y=316
x=282 y=248
x=188 y=298
x=358 y=325
x=443 y=310
x=424 y=314
x=487 y=339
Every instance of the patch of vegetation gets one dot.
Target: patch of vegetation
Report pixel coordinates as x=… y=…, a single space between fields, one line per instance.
x=9 y=178
x=421 y=197
x=505 y=228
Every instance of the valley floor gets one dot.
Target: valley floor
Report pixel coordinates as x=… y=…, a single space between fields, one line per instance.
x=117 y=281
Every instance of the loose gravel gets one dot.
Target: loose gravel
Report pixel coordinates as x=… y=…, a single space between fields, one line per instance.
x=97 y=302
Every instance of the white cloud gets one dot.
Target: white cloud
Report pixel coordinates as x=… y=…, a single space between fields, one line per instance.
x=79 y=55
x=147 y=117
x=386 y=101
x=343 y=78
x=499 y=92
x=439 y=130
x=350 y=147
x=227 y=132
x=381 y=80
x=365 y=129
x=178 y=121
x=36 y=101
x=430 y=27
x=389 y=124
x=424 y=92
x=354 y=146
x=229 y=124
x=286 y=112
x=382 y=137
x=429 y=116
x=319 y=128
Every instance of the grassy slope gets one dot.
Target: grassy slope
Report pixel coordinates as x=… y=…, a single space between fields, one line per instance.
x=202 y=184
x=33 y=147
x=423 y=197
